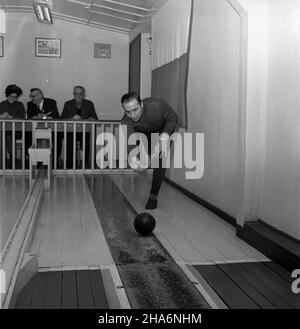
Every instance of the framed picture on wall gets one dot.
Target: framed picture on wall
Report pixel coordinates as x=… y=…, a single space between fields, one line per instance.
x=102 y=50
x=47 y=47
x=1 y=46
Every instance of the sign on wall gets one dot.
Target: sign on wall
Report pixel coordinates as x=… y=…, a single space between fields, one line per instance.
x=1 y=46
x=102 y=50
x=47 y=47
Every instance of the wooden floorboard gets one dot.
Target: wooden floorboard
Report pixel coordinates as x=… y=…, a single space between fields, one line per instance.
x=261 y=284
x=81 y=289
x=54 y=291
x=200 y=237
x=99 y=295
x=280 y=271
x=84 y=290
x=39 y=296
x=69 y=290
x=227 y=289
x=264 y=283
x=246 y=286
x=13 y=193
x=25 y=295
x=275 y=282
x=73 y=237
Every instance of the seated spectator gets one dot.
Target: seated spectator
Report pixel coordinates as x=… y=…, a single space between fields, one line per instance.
x=40 y=107
x=11 y=108
x=78 y=108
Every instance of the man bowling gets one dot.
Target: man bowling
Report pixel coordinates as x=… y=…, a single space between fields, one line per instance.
x=148 y=116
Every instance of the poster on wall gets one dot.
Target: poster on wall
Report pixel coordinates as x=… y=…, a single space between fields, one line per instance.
x=47 y=47
x=1 y=46
x=102 y=50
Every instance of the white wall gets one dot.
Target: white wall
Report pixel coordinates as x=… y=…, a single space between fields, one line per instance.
x=281 y=192
x=270 y=189
x=213 y=102
x=105 y=79
x=256 y=91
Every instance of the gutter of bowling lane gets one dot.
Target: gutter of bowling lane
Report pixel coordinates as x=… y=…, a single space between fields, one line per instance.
x=150 y=276
x=14 y=252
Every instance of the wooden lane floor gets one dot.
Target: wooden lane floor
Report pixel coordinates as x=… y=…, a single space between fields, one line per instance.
x=188 y=231
x=150 y=276
x=82 y=289
x=232 y=273
x=193 y=260
x=13 y=193
x=251 y=285
x=75 y=266
x=68 y=233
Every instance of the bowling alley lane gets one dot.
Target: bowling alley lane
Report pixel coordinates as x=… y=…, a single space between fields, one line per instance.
x=150 y=276
x=68 y=232
x=13 y=193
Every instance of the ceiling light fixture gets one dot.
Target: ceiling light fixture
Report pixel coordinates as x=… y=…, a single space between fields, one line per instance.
x=43 y=11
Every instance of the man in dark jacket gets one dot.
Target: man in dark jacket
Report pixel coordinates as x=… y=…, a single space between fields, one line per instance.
x=149 y=116
x=78 y=108
x=40 y=107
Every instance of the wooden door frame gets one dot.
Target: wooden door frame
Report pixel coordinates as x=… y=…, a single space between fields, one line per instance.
x=138 y=38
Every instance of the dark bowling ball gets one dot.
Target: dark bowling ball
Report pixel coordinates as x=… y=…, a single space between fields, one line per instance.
x=144 y=223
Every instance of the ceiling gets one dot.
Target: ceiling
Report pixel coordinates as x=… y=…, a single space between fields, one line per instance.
x=124 y=16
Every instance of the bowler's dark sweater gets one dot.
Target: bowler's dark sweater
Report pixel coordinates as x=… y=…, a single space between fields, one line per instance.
x=157 y=117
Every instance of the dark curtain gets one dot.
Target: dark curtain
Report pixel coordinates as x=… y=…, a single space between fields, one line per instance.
x=169 y=84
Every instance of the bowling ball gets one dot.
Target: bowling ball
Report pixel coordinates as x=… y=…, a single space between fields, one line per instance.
x=144 y=223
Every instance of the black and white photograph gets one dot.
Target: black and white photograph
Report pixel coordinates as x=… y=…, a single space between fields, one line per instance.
x=150 y=162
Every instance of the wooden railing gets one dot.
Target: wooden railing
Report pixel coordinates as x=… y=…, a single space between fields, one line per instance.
x=73 y=143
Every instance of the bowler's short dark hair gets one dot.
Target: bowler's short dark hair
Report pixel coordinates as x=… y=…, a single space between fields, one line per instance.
x=13 y=89
x=130 y=96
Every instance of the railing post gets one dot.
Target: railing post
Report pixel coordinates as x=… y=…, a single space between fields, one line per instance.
x=13 y=145
x=83 y=145
x=112 y=149
x=65 y=145
x=55 y=145
x=3 y=146
x=74 y=145
x=93 y=146
x=23 y=145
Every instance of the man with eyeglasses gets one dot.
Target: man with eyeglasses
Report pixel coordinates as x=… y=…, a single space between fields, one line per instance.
x=40 y=107
x=78 y=108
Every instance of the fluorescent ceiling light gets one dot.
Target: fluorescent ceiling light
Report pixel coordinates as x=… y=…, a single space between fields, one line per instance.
x=40 y=12
x=43 y=12
x=47 y=14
